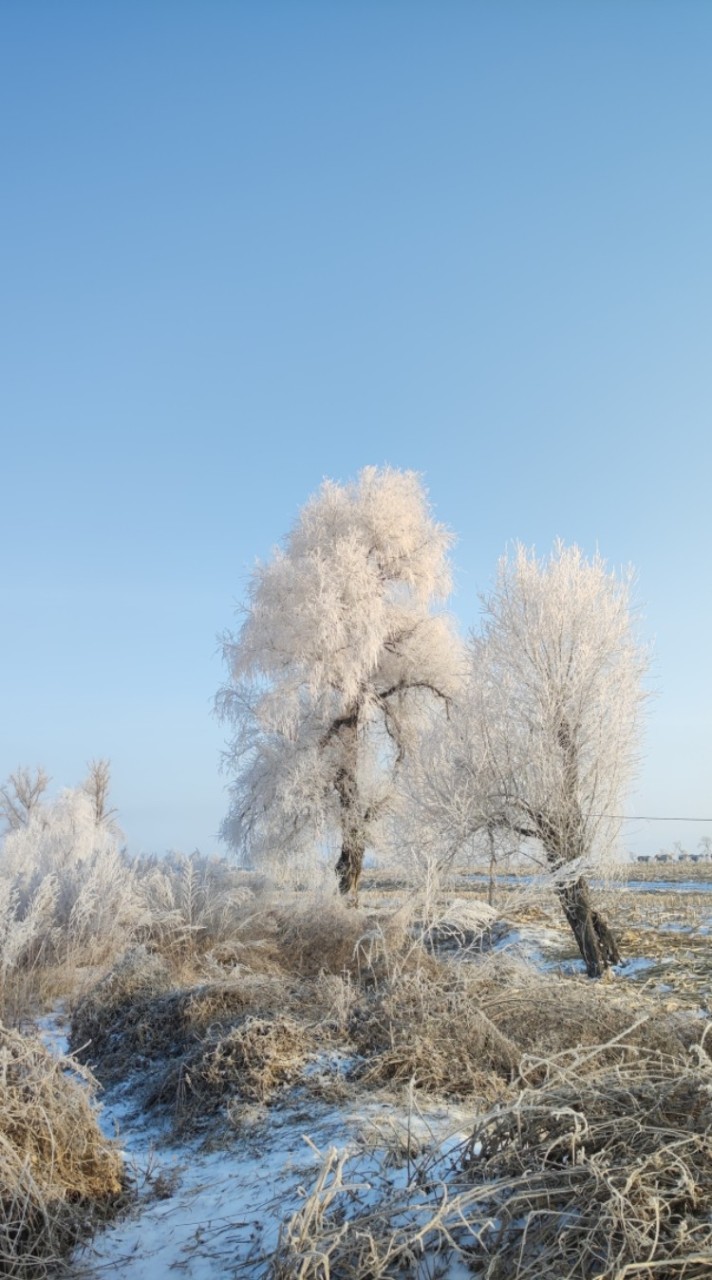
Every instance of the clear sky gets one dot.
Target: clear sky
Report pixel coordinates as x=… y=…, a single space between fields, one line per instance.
x=245 y=246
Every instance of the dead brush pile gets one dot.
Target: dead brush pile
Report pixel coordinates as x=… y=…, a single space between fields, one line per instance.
x=111 y=1024
x=58 y=1173
x=601 y=1171
x=199 y=1047
x=547 y=1013
x=425 y=1026
x=251 y=1062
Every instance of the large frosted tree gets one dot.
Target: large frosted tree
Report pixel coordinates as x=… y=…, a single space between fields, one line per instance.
x=341 y=652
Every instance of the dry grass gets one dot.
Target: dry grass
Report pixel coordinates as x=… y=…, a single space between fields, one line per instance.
x=198 y=1047
x=466 y=1030
x=454 y=1029
x=325 y=935
x=547 y=1013
x=423 y=1026
x=670 y=872
x=57 y=1171
x=602 y=1171
x=136 y=1016
x=251 y=1062
x=111 y=1024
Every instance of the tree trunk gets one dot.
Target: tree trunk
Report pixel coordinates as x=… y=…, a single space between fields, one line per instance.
x=492 y=864
x=595 y=940
x=350 y=864
x=353 y=834
x=562 y=834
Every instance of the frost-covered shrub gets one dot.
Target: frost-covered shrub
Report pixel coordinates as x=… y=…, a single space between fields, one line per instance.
x=189 y=903
x=68 y=894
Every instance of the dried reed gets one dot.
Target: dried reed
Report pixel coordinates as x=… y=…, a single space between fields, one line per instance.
x=601 y=1171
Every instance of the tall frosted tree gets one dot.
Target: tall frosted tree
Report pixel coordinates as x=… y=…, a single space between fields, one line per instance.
x=557 y=676
x=543 y=742
x=342 y=649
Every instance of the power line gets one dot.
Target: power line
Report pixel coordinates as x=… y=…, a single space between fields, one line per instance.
x=646 y=817
x=643 y=817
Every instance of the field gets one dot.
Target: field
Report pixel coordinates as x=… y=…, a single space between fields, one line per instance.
x=298 y=1088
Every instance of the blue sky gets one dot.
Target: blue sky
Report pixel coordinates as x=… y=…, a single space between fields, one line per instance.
x=249 y=245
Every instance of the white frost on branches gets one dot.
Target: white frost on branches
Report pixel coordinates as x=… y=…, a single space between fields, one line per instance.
x=340 y=653
x=559 y=669
x=64 y=884
x=544 y=741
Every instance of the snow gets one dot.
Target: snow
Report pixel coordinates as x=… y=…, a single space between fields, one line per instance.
x=210 y=1209
x=541 y=946
x=638 y=964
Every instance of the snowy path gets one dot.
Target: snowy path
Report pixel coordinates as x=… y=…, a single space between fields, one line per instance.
x=210 y=1214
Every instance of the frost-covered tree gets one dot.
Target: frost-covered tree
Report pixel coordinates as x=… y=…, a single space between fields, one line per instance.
x=21 y=795
x=57 y=835
x=65 y=889
x=341 y=651
x=542 y=743
x=97 y=785
x=557 y=684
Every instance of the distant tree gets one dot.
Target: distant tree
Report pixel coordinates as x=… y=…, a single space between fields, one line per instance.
x=97 y=785
x=705 y=846
x=21 y=795
x=338 y=658
x=557 y=680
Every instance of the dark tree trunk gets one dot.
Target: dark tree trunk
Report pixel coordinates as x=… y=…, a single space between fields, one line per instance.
x=353 y=826
x=562 y=834
x=350 y=864
x=595 y=940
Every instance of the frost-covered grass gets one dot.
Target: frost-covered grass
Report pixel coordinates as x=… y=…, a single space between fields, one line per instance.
x=281 y=1065
x=392 y=1111
x=58 y=1173
x=71 y=901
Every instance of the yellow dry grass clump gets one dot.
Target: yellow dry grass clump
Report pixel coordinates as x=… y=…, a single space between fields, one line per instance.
x=466 y=1030
x=342 y=976
x=193 y=1049
x=329 y=936
x=57 y=1170
x=424 y=1026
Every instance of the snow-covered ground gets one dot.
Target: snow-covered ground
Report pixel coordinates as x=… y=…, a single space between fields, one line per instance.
x=210 y=1209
